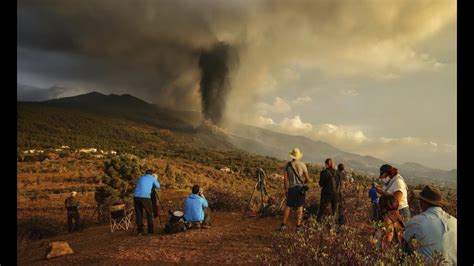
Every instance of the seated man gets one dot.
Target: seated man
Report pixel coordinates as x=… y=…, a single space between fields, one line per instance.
x=194 y=206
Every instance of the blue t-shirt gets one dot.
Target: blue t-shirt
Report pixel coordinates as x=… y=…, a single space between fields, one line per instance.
x=194 y=208
x=144 y=185
x=373 y=195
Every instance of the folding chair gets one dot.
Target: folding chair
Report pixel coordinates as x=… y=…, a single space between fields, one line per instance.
x=120 y=218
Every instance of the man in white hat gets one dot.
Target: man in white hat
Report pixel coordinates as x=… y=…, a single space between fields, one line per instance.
x=295 y=188
x=72 y=205
x=434 y=229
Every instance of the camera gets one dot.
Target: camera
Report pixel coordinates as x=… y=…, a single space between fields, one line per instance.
x=304 y=188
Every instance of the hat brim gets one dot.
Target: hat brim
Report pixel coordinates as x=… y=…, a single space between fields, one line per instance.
x=296 y=157
x=440 y=203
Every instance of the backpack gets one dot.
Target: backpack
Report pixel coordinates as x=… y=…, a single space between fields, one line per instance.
x=333 y=183
x=175 y=224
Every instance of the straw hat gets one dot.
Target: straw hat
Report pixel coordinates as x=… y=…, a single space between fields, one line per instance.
x=431 y=195
x=296 y=154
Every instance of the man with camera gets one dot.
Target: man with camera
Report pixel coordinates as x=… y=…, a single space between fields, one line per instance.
x=295 y=188
x=196 y=209
x=330 y=182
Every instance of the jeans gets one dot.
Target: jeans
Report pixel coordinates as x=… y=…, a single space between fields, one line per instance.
x=405 y=213
x=325 y=201
x=77 y=219
x=140 y=205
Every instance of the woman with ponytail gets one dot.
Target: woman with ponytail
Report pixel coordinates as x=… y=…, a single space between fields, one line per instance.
x=395 y=185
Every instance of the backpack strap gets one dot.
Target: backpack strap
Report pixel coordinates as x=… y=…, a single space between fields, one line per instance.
x=294 y=171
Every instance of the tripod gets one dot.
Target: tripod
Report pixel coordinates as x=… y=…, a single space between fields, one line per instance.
x=260 y=186
x=158 y=205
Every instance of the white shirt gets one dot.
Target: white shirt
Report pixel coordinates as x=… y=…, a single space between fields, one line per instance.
x=399 y=185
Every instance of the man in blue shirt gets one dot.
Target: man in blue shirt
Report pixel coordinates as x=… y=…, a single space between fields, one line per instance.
x=142 y=200
x=374 y=198
x=194 y=206
x=434 y=229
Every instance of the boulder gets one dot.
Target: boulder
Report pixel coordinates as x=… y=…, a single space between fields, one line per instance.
x=58 y=249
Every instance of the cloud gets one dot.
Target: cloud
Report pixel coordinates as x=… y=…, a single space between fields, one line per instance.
x=338 y=134
x=349 y=92
x=294 y=125
x=301 y=100
x=278 y=106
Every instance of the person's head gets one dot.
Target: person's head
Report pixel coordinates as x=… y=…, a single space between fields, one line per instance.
x=340 y=167
x=430 y=196
x=329 y=163
x=387 y=172
x=74 y=193
x=374 y=184
x=296 y=154
x=196 y=189
x=149 y=172
x=388 y=203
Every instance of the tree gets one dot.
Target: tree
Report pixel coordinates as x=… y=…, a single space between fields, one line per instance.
x=117 y=183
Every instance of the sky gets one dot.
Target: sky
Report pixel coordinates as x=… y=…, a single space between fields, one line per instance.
x=371 y=77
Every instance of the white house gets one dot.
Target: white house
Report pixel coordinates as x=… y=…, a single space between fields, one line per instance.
x=226 y=170
x=88 y=150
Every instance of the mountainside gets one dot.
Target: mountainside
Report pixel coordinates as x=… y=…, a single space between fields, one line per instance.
x=263 y=141
x=122 y=121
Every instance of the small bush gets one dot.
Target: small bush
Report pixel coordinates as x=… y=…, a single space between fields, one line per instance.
x=38 y=227
x=38 y=194
x=224 y=199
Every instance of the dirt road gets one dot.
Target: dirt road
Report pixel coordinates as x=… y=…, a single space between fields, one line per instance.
x=230 y=240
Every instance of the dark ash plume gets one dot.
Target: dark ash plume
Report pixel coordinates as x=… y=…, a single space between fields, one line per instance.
x=215 y=65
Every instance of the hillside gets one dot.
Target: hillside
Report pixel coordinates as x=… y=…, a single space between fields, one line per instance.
x=263 y=141
x=127 y=121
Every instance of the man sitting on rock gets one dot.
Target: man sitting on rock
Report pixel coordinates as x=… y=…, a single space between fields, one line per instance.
x=196 y=211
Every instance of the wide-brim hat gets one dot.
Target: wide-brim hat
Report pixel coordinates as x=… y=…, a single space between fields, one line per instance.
x=431 y=195
x=296 y=154
x=178 y=213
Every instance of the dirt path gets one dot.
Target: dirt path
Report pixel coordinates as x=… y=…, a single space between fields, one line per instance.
x=229 y=241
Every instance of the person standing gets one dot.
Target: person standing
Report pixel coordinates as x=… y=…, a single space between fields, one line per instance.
x=294 y=188
x=142 y=200
x=374 y=200
x=343 y=174
x=330 y=182
x=72 y=204
x=434 y=229
x=395 y=185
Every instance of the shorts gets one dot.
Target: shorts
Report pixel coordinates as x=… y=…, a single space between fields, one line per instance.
x=295 y=199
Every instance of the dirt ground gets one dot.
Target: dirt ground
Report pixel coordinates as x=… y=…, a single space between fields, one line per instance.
x=230 y=240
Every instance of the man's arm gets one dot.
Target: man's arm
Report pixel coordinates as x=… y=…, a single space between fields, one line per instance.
x=321 y=179
x=204 y=202
x=156 y=183
x=285 y=183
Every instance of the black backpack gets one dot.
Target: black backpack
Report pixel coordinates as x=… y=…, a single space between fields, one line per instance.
x=174 y=225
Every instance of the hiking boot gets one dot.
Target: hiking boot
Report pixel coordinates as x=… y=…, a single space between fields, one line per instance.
x=282 y=227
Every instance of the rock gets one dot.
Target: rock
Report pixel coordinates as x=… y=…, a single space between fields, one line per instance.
x=58 y=249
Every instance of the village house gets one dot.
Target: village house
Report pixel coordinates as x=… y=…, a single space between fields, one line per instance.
x=88 y=150
x=226 y=170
